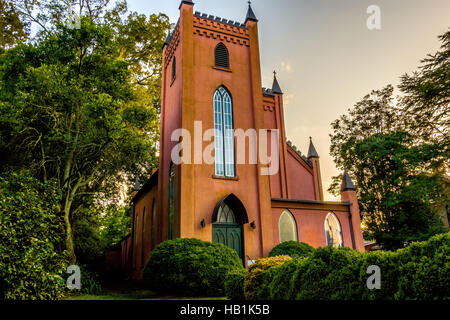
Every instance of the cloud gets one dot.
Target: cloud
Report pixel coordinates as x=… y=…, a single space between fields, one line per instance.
x=286 y=66
x=287 y=99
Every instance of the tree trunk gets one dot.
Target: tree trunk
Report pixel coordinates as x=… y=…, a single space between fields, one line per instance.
x=69 y=239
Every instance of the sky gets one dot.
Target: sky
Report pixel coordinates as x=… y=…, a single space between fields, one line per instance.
x=325 y=56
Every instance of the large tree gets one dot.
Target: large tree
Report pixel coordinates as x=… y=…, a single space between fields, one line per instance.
x=71 y=109
x=12 y=28
x=397 y=151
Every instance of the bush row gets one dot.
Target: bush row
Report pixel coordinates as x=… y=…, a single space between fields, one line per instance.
x=420 y=271
x=194 y=267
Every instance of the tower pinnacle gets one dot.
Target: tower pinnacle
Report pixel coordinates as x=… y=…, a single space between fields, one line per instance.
x=275 y=86
x=250 y=14
x=312 y=153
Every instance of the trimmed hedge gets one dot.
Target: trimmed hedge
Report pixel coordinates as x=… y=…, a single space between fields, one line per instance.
x=254 y=287
x=234 y=284
x=190 y=267
x=329 y=274
x=292 y=249
x=424 y=271
x=281 y=286
x=420 y=271
x=389 y=267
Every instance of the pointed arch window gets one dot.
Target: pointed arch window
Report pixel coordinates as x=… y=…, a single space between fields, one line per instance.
x=136 y=230
x=225 y=214
x=171 y=200
x=287 y=227
x=221 y=56
x=143 y=238
x=223 y=134
x=333 y=231
x=153 y=237
x=174 y=68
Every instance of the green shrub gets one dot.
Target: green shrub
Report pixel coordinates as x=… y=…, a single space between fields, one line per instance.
x=292 y=249
x=263 y=291
x=329 y=274
x=90 y=283
x=190 y=267
x=281 y=284
x=30 y=229
x=253 y=283
x=234 y=284
x=424 y=271
x=389 y=268
x=420 y=271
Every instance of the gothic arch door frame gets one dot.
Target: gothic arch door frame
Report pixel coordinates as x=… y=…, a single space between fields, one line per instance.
x=228 y=219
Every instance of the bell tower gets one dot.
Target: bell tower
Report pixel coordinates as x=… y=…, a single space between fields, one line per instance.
x=211 y=80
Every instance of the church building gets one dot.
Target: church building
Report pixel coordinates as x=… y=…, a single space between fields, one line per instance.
x=212 y=74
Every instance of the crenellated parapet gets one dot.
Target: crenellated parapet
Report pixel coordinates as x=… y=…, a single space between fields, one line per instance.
x=222 y=29
x=172 y=42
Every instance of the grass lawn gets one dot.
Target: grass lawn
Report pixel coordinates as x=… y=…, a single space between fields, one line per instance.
x=133 y=292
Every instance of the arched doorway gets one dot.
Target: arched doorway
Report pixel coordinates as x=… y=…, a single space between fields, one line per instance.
x=228 y=218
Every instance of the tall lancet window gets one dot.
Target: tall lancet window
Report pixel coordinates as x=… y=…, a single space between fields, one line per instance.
x=171 y=201
x=223 y=134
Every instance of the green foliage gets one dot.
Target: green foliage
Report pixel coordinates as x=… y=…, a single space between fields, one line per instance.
x=426 y=95
x=254 y=283
x=420 y=271
x=89 y=245
x=90 y=283
x=292 y=249
x=190 y=267
x=12 y=29
x=115 y=224
x=30 y=264
x=70 y=111
x=329 y=274
x=424 y=271
x=397 y=153
x=234 y=284
x=281 y=285
x=389 y=263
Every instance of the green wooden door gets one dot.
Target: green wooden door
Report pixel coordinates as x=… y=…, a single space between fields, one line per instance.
x=230 y=235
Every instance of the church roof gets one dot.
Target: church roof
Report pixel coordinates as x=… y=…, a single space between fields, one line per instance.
x=312 y=153
x=250 y=14
x=150 y=183
x=267 y=91
x=298 y=152
x=347 y=183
